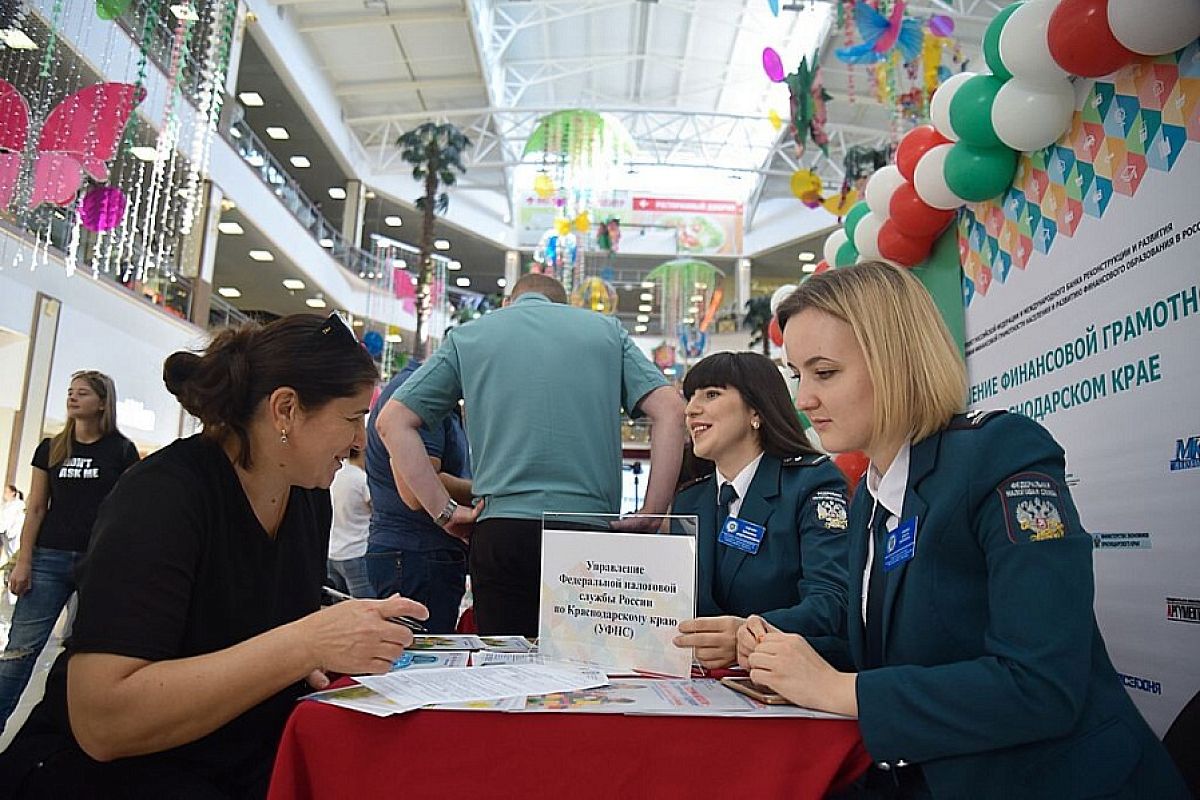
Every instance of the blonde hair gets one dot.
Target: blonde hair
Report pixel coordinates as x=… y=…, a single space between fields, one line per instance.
x=103 y=386
x=916 y=370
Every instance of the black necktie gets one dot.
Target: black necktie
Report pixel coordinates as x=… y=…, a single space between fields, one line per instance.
x=876 y=591
x=725 y=498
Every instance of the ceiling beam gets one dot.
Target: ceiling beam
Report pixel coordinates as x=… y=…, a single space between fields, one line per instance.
x=330 y=22
x=425 y=84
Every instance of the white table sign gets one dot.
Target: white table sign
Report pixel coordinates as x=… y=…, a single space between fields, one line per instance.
x=615 y=600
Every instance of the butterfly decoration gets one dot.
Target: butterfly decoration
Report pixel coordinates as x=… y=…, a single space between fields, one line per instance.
x=880 y=35
x=80 y=136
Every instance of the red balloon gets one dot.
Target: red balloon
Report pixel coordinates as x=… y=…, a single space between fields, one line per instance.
x=914 y=217
x=1082 y=42
x=775 y=333
x=907 y=251
x=915 y=144
x=853 y=465
x=822 y=266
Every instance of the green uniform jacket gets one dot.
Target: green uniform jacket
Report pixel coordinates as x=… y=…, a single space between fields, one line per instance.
x=797 y=579
x=996 y=679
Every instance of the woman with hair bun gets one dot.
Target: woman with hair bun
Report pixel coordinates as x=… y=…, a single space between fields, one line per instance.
x=199 y=617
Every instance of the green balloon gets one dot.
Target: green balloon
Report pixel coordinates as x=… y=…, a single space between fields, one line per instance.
x=991 y=42
x=971 y=111
x=979 y=173
x=846 y=255
x=857 y=212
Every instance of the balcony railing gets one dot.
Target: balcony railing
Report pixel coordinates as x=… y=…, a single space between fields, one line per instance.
x=360 y=263
x=163 y=287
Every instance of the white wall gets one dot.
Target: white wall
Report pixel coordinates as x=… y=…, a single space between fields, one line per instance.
x=104 y=327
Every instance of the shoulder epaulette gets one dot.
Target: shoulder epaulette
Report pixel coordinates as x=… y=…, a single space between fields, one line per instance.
x=693 y=482
x=810 y=460
x=972 y=420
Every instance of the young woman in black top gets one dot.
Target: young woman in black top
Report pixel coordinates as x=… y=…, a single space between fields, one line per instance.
x=73 y=473
x=199 y=620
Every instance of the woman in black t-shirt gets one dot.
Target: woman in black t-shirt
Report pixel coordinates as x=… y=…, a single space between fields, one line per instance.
x=72 y=473
x=199 y=621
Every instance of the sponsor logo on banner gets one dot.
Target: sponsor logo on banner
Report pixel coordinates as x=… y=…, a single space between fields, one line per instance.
x=1121 y=541
x=1141 y=684
x=1183 y=609
x=1187 y=454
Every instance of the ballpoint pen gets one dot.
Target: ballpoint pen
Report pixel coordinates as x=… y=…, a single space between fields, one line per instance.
x=412 y=624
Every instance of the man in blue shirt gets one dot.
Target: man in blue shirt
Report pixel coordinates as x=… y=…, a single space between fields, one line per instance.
x=407 y=552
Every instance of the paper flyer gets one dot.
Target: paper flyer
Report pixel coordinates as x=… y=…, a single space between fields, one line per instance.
x=451 y=641
x=452 y=685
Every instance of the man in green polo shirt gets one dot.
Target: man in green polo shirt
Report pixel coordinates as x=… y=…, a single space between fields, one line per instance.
x=544 y=385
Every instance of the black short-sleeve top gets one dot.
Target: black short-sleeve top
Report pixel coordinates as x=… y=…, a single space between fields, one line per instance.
x=180 y=567
x=77 y=487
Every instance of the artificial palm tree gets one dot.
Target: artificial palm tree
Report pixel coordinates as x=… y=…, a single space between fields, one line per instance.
x=435 y=151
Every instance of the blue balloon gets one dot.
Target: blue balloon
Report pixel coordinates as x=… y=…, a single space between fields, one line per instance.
x=373 y=341
x=774 y=4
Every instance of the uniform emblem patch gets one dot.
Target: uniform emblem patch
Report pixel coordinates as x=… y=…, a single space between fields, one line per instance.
x=1040 y=519
x=831 y=511
x=1032 y=508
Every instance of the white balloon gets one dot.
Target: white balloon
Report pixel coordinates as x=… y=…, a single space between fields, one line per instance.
x=1024 y=48
x=880 y=188
x=833 y=243
x=939 y=106
x=1030 y=116
x=866 y=237
x=929 y=179
x=1169 y=26
x=780 y=295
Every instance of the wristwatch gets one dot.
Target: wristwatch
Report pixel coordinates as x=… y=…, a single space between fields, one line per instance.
x=447 y=512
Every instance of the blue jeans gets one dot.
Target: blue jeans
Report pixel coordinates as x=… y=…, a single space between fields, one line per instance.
x=349 y=575
x=437 y=578
x=51 y=585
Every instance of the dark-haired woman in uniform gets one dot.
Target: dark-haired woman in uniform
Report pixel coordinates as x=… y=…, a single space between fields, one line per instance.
x=771 y=511
x=198 y=621
x=979 y=670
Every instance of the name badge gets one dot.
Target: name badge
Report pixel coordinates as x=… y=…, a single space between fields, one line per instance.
x=745 y=536
x=900 y=545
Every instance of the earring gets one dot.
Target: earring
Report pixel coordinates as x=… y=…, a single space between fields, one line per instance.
x=754 y=424
x=283 y=437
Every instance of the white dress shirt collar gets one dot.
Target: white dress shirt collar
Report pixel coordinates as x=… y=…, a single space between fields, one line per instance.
x=888 y=489
x=741 y=484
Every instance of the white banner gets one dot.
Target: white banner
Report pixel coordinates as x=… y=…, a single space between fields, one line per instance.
x=1095 y=332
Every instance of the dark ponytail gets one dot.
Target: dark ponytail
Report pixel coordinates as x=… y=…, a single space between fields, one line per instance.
x=242 y=366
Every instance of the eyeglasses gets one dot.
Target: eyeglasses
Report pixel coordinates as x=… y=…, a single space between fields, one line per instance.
x=336 y=327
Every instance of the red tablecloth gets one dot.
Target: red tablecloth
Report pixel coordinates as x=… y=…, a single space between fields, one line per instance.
x=329 y=752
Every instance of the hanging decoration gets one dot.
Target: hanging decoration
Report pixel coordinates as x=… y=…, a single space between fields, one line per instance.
x=807 y=99
x=102 y=208
x=608 y=235
x=596 y=294
x=581 y=153
x=78 y=138
x=982 y=122
x=687 y=287
x=881 y=35
x=75 y=150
